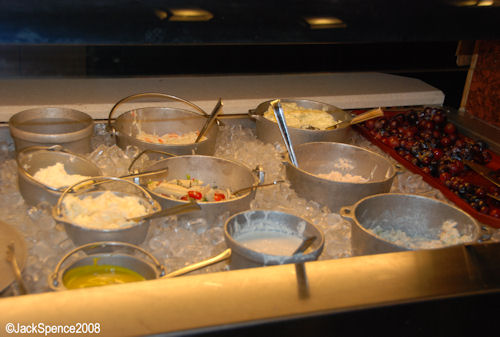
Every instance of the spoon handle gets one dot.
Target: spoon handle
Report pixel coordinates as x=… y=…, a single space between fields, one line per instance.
x=202 y=264
x=280 y=117
x=179 y=209
x=211 y=120
x=11 y=257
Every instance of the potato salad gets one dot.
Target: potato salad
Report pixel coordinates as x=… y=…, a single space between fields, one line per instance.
x=190 y=188
x=170 y=138
x=303 y=118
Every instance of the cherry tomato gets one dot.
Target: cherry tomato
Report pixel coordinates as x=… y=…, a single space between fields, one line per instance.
x=183 y=197
x=219 y=196
x=195 y=195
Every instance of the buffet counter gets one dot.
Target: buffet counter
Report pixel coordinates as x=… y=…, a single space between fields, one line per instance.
x=252 y=300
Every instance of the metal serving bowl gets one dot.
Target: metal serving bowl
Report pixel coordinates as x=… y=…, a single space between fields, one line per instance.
x=160 y=121
x=34 y=158
x=272 y=221
x=69 y=128
x=417 y=216
x=105 y=253
x=322 y=157
x=135 y=233
x=223 y=173
x=268 y=131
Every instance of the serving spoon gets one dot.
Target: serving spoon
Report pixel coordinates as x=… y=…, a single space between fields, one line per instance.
x=11 y=258
x=253 y=187
x=370 y=114
x=216 y=111
x=179 y=209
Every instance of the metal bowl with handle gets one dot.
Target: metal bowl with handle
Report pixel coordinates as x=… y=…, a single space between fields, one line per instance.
x=107 y=253
x=417 y=216
x=134 y=233
x=34 y=158
x=324 y=157
x=223 y=173
x=268 y=131
x=160 y=121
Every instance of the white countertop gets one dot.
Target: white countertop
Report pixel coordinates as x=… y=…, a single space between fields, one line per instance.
x=96 y=96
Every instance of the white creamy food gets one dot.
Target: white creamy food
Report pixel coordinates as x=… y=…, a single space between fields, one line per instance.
x=170 y=138
x=191 y=188
x=268 y=242
x=106 y=211
x=303 y=118
x=448 y=236
x=56 y=176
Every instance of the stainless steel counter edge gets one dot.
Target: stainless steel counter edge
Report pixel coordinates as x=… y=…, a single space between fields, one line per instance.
x=249 y=296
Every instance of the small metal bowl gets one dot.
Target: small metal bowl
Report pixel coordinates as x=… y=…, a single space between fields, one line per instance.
x=323 y=157
x=105 y=253
x=268 y=131
x=31 y=159
x=272 y=221
x=416 y=215
x=135 y=233
x=72 y=129
x=160 y=121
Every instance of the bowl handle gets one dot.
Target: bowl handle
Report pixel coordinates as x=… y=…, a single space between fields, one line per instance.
x=399 y=168
x=57 y=211
x=151 y=95
x=148 y=151
x=346 y=212
x=54 y=277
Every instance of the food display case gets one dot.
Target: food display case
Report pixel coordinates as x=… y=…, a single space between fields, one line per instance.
x=143 y=69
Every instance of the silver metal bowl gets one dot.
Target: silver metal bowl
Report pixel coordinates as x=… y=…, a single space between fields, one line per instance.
x=272 y=221
x=135 y=233
x=416 y=215
x=34 y=158
x=107 y=253
x=160 y=121
x=72 y=129
x=268 y=131
x=223 y=173
x=323 y=157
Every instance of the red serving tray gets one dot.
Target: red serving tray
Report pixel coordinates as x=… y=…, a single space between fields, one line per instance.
x=471 y=176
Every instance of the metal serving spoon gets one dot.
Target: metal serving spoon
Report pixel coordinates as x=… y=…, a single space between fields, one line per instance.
x=179 y=209
x=134 y=175
x=370 y=114
x=280 y=118
x=253 y=187
x=210 y=120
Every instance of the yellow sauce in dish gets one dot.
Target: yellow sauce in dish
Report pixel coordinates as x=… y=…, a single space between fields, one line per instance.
x=99 y=275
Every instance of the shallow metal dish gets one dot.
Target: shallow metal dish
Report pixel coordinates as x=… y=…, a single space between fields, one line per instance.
x=72 y=129
x=31 y=159
x=321 y=157
x=160 y=121
x=413 y=214
x=268 y=130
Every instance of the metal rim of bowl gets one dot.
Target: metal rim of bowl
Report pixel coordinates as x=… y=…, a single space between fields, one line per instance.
x=394 y=167
x=16 y=131
x=256 y=180
x=243 y=248
x=352 y=215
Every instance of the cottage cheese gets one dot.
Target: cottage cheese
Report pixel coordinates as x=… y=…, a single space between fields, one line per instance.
x=448 y=236
x=303 y=118
x=106 y=211
x=56 y=176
